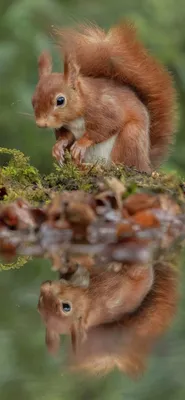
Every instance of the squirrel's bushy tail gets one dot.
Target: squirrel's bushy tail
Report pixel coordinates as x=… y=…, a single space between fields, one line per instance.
x=119 y=55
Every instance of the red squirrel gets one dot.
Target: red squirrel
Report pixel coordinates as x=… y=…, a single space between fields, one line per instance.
x=114 y=101
x=115 y=320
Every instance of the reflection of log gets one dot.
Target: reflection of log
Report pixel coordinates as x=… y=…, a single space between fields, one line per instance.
x=110 y=225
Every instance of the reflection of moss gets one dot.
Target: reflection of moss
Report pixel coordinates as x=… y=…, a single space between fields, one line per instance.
x=23 y=180
x=19 y=262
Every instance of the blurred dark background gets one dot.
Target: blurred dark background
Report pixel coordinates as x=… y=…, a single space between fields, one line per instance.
x=26 y=371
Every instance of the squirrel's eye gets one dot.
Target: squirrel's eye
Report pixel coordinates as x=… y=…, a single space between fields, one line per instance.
x=66 y=307
x=61 y=101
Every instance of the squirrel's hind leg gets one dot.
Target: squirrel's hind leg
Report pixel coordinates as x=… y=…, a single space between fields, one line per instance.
x=132 y=146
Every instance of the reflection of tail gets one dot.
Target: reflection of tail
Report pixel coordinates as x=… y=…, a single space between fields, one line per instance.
x=125 y=344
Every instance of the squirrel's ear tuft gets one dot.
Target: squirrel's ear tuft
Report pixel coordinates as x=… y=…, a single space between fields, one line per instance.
x=71 y=72
x=44 y=64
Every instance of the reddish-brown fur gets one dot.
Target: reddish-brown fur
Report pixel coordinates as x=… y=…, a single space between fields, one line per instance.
x=115 y=87
x=115 y=321
x=126 y=344
x=121 y=56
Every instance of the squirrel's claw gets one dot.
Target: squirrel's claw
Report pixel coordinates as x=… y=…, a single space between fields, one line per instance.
x=58 y=150
x=79 y=148
x=78 y=152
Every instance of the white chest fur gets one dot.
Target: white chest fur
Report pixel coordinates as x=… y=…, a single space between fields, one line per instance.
x=77 y=127
x=100 y=151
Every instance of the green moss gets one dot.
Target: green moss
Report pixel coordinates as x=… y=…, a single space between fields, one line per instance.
x=20 y=178
x=18 y=168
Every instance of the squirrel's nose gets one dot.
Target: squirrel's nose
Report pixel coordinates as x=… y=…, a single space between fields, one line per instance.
x=41 y=123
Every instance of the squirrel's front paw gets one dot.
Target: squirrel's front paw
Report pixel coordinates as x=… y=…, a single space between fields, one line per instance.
x=79 y=148
x=58 y=150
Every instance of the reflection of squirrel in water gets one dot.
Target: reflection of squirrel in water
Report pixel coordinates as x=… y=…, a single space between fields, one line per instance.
x=113 y=98
x=115 y=320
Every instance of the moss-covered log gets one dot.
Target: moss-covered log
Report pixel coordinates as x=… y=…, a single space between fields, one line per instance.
x=18 y=179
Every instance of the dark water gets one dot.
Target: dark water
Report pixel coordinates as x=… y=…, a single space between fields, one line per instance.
x=27 y=371
x=108 y=300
